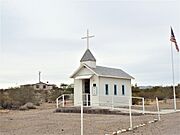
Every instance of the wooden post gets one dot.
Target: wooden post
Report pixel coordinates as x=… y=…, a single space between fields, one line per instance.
x=82 y=115
x=57 y=106
x=63 y=100
x=130 y=115
x=157 y=104
x=87 y=100
x=143 y=105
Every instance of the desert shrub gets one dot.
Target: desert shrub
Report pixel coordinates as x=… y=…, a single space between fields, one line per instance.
x=22 y=95
x=37 y=104
x=136 y=101
x=68 y=91
x=160 y=92
x=6 y=105
x=13 y=98
x=55 y=93
x=5 y=100
x=178 y=91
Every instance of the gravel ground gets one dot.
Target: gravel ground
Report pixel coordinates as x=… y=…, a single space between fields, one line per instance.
x=43 y=121
x=169 y=125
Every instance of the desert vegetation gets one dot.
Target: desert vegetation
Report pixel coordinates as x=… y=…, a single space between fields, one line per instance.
x=162 y=93
x=157 y=91
x=19 y=98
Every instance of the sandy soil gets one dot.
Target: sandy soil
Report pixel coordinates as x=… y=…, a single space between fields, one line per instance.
x=43 y=121
x=169 y=125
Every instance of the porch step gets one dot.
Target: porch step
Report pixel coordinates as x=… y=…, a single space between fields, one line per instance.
x=90 y=110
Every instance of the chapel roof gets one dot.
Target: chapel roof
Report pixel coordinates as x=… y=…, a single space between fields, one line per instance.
x=105 y=72
x=111 y=72
x=88 y=56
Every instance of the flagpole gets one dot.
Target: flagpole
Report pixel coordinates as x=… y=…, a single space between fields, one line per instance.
x=174 y=91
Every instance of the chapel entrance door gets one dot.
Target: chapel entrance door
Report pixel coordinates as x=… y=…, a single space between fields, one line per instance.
x=86 y=92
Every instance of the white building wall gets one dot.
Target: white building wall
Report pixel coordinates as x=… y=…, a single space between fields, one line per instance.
x=99 y=98
x=77 y=92
x=90 y=63
x=84 y=71
x=78 y=85
x=119 y=99
x=94 y=91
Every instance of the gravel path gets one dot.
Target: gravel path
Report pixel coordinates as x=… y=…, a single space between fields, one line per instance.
x=45 y=122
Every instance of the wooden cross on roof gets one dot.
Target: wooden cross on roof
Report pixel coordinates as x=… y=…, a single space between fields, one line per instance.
x=87 y=37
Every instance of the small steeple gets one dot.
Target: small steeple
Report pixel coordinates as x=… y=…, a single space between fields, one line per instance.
x=88 y=59
x=88 y=56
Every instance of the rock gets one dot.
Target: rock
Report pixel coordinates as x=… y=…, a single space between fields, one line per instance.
x=30 y=105
x=23 y=108
x=27 y=106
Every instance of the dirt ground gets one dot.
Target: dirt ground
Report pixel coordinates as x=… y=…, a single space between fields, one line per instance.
x=43 y=121
x=169 y=125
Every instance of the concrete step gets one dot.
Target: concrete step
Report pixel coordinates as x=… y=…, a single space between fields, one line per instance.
x=90 y=110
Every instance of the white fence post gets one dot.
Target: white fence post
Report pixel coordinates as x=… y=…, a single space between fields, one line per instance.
x=82 y=115
x=143 y=105
x=130 y=116
x=63 y=99
x=87 y=100
x=157 y=103
x=57 y=103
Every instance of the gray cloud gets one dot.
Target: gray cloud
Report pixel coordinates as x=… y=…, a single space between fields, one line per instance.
x=46 y=35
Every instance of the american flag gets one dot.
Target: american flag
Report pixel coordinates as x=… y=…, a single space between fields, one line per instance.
x=173 y=39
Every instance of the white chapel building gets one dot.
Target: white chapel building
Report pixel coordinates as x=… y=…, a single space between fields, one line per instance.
x=99 y=85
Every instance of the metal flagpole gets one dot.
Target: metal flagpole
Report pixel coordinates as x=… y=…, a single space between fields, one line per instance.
x=174 y=91
x=82 y=90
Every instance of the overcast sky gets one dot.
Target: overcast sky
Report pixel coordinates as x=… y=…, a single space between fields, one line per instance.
x=45 y=35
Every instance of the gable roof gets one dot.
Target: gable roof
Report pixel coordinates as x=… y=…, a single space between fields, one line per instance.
x=111 y=72
x=88 y=56
x=105 y=72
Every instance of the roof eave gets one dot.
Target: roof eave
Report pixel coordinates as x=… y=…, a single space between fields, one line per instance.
x=87 y=60
x=90 y=69
x=109 y=76
x=75 y=72
x=82 y=64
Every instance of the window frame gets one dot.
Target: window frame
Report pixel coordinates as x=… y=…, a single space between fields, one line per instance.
x=115 y=90
x=123 y=90
x=106 y=89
